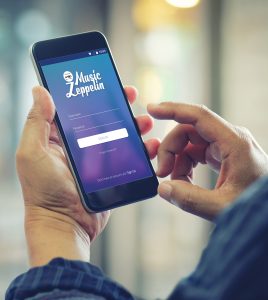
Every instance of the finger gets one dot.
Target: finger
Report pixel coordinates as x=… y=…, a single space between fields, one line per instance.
x=209 y=125
x=131 y=93
x=145 y=123
x=188 y=160
x=175 y=143
x=212 y=157
x=191 y=198
x=37 y=127
x=197 y=153
x=152 y=147
x=183 y=166
x=54 y=137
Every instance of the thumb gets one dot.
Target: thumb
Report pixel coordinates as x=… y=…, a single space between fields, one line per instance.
x=191 y=198
x=37 y=127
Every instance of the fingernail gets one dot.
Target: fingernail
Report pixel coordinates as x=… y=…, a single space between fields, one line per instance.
x=165 y=191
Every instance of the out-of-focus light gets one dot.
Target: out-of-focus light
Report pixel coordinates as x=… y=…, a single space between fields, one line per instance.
x=33 y=25
x=162 y=47
x=151 y=86
x=183 y=3
x=4 y=30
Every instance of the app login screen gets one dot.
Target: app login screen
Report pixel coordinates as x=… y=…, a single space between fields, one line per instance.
x=96 y=121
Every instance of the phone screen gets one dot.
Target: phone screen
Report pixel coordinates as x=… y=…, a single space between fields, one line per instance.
x=96 y=120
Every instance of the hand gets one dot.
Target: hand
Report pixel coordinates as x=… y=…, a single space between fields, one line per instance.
x=204 y=137
x=50 y=194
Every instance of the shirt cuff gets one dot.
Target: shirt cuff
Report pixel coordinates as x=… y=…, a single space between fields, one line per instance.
x=65 y=275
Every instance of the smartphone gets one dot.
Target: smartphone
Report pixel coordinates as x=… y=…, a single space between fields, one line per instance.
x=97 y=129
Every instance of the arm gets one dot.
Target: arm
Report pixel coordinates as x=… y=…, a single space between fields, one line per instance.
x=50 y=234
x=235 y=263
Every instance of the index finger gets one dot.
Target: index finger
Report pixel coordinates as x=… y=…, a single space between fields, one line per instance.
x=175 y=143
x=208 y=124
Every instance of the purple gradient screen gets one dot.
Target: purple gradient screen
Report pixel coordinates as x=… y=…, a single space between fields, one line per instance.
x=98 y=127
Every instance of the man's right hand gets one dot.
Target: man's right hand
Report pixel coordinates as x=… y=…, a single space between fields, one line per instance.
x=204 y=137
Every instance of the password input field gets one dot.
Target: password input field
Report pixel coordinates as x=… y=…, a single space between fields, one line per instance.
x=102 y=138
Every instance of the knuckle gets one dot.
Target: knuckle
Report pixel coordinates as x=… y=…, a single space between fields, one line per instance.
x=184 y=202
x=203 y=109
x=244 y=131
x=187 y=205
x=32 y=115
x=21 y=156
x=245 y=136
x=187 y=202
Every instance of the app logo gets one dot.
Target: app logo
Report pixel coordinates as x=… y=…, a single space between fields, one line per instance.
x=83 y=84
x=68 y=76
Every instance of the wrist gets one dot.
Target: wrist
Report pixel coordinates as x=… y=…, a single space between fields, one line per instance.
x=51 y=234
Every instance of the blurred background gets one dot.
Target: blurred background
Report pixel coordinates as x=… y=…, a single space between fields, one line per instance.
x=213 y=52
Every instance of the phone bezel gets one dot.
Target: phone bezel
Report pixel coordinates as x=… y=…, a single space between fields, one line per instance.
x=106 y=198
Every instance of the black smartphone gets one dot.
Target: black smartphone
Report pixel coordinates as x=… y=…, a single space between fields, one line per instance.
x=99 y=134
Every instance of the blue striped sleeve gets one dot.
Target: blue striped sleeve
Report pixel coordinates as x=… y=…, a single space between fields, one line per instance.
x=235 y=263
x=68 y=276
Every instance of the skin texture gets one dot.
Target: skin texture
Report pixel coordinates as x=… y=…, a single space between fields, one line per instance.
x=204 y=137
x=56 y=223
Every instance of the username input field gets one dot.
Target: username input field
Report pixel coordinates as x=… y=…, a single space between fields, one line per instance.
x=102 y=138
